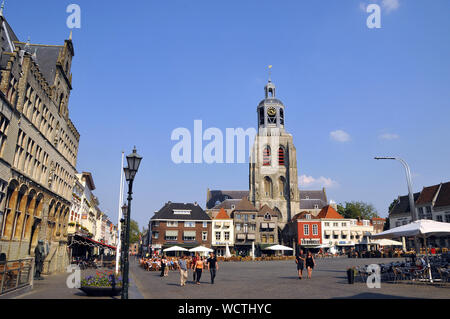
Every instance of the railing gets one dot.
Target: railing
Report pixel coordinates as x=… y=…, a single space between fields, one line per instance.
x=15 y=274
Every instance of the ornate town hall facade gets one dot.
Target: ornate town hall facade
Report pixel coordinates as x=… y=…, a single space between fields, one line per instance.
x=38 y=148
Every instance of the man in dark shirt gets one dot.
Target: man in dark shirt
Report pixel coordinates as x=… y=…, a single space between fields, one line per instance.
x=213 y=266
x=300 y=260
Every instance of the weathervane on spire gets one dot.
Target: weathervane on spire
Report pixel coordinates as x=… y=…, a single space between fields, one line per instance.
x=270 y=73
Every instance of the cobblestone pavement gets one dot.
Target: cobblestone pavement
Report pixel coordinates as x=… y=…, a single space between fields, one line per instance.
x=277 y=279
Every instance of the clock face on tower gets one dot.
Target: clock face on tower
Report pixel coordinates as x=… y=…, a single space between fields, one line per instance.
x=271 y=111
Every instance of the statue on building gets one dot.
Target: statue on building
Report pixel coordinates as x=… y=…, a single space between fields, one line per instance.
x=39 y=256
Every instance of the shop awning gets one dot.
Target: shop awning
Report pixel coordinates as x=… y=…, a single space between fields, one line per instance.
x=272 y=225
x=240 y=236
x=171 y=233
x=227 y=224
x=336 y=232
x=328 y=232
x=189 y=233
x=251 y=236
x=86 y=241
x=264 y=225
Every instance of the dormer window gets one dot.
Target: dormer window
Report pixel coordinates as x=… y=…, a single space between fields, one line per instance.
x=308 y=216
x=181 y=212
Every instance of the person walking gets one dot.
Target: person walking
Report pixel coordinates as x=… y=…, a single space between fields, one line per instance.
x=310 y=263
x=183 y=271
x=163 y=266
x=194 y=260
x=213 y=266
x=198 y=269
x=300 y=261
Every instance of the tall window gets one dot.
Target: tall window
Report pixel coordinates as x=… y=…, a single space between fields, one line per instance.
x=268 y=187
x=218 y=236
x=306 y=229
x=315 y=230
x=267 y=161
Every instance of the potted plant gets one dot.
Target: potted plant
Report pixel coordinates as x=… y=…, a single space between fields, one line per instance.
x=102 y=284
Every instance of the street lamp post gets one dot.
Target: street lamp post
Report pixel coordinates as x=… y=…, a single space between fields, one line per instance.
x=412 y=206
x=133 y=161
x=122 y=234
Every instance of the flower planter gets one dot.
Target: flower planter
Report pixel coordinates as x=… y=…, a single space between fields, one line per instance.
x=101 y=291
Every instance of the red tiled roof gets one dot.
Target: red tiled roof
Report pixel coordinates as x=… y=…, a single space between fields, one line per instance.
x=222 y=214
x=427 y=195
x=329 y=212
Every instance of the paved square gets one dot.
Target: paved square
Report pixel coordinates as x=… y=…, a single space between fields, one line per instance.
x=277 y=279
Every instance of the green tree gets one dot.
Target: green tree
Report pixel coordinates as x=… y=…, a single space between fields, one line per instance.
x=394 y=202
x=134 y=232
x=356 y=210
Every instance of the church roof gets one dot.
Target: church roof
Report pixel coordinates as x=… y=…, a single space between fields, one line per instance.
x=227 y=204
x=215 y=196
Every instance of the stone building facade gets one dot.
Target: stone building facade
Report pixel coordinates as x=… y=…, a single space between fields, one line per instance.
x=38 y=148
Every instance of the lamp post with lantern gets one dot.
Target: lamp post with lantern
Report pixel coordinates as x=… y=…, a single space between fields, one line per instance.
x=133 y=161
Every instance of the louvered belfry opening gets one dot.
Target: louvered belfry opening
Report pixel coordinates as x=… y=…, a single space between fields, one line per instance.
x=281 y=156
x=266 y=156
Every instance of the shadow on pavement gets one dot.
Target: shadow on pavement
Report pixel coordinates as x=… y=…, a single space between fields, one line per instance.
x=370 y=295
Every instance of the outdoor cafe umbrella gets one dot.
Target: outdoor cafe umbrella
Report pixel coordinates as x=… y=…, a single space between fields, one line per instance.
x=387 y=242
x=279 y=247
x=227 y=251
x=201 y=249
x=420 y=228
x=175 y=248
x=253 y=250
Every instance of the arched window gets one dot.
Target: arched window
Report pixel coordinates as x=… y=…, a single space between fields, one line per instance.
x=268 y=187
x=267 y=161
x=267 y=216
x=281 y=116
x=281 y=185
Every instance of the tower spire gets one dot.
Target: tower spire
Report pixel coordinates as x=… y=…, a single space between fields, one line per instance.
x=270 y=73
x=70 y=36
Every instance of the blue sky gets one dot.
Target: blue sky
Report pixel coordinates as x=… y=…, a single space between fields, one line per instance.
x=144 y=68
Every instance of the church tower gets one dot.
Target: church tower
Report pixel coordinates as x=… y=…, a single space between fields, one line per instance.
x=273 y=175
